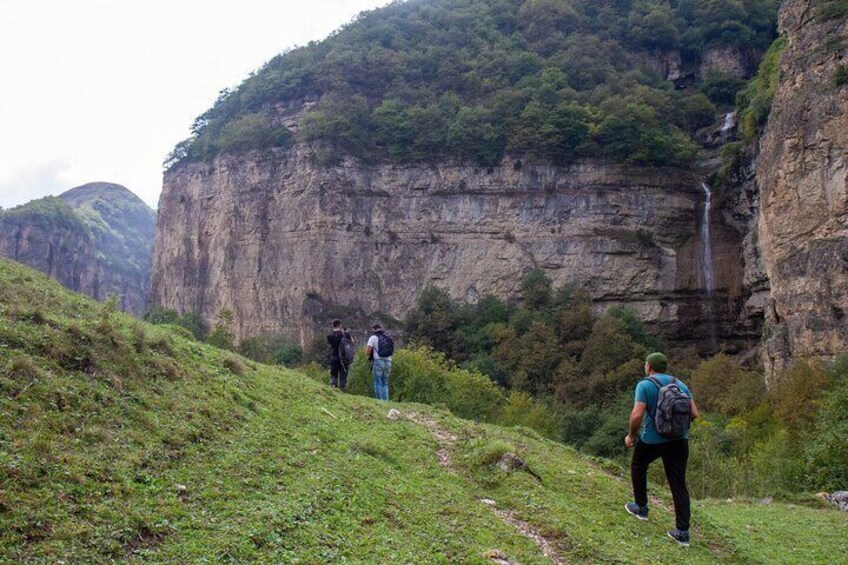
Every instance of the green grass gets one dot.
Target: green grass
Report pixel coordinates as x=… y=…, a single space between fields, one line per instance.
x=125 y=442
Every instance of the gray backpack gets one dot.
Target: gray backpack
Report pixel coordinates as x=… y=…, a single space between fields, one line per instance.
x=673 y=413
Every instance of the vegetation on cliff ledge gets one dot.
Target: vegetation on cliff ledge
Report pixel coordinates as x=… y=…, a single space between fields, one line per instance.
x=470 y=80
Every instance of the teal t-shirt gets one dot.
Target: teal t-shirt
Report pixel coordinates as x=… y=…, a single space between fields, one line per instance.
x=647 y=392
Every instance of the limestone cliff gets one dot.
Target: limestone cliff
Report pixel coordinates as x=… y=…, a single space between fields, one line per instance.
x=803 y=173
x=275 y=238
x=330 y=181
x=46 y=234
x=96 y=239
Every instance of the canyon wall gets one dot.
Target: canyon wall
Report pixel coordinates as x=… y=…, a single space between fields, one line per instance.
x=803 y=173
x=282 y=242
x=96 y=239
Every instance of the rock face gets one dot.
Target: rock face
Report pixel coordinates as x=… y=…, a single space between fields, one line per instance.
x=803 y=173
x=46 y=235
x=96 y=239
x=275 y=239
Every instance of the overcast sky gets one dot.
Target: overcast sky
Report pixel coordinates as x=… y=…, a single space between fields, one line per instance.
x=101 y=90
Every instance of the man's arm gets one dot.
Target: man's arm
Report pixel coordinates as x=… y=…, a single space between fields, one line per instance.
x=695 y=412
x=635 y=423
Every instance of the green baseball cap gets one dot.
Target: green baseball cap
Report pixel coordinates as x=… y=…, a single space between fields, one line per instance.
x=658 y=362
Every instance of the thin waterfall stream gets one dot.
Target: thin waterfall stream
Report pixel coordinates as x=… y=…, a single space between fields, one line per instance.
x=707 y=271
x=707 y=268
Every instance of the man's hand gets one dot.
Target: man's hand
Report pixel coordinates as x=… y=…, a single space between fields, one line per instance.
x=629 y=441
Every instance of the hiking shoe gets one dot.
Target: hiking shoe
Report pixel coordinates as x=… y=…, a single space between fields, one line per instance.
x=640 y=512
x=680 y=536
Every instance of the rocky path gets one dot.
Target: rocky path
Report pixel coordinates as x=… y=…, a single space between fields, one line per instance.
x=446 y=441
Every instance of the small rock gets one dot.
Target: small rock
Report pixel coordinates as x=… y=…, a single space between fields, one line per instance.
x=499 y=557
x=395 y=415
x=180 y=488
x=838 y=498
x=488 y=502
x=767 y=500
x=511 y=462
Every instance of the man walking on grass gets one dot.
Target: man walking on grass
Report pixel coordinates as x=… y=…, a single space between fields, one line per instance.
x=664 y=434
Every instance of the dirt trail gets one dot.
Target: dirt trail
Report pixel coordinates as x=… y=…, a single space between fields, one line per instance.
x=446 y=440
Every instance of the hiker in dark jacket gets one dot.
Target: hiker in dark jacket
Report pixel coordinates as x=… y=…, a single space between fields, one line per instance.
x=338 y=372
x=650 y=444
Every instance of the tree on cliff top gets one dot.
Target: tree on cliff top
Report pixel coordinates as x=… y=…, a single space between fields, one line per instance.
x=469 y=80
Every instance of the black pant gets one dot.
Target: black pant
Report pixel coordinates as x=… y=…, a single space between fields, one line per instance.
x=338 y=374
x=674 y=455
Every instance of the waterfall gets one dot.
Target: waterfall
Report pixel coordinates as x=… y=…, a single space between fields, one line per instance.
x=707 y=272
x=729 y=119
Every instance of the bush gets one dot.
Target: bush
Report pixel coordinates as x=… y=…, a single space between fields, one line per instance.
x=488 y=452
x=755 y=99
x=234 y=365
x=720 y=385
x=797 y=397
x=521 y=410
x=221 y=335
x=840 y=77
x=163 y=316
x=826 y=448
x=721 y=88
x=422 y=375
x=271 y=349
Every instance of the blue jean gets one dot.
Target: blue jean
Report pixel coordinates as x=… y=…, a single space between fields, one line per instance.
x=380 y=371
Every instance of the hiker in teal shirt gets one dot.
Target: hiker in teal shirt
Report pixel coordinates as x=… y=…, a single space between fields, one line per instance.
x=649 y=446
x=647 y=393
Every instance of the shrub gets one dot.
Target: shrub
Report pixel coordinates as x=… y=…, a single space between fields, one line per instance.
x=235 y=365
x=271 y=349
x=488 y=452
x=831 y=9
x=165 y=316
x=797 y=397
x=21 y=367
x=721 y=88
x=826 y=449
x=522 y=410
x=840 y=77
x=720 y=384
x=423 y=375
x=755 y=99
x=221 y=335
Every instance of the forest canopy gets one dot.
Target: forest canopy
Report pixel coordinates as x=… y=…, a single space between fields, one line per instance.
x=471 y=80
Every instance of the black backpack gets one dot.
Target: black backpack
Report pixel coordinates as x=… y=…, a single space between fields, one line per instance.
x=673 y=413
x=385 y=345
x=347 y=349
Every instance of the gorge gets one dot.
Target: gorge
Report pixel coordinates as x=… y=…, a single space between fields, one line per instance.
x=288 y=235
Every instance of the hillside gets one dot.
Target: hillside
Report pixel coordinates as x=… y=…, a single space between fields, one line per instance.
x=129 y=442
x=470 y=80
x=96 y=239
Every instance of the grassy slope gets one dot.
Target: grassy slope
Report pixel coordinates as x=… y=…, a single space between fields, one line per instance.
x=122 y=441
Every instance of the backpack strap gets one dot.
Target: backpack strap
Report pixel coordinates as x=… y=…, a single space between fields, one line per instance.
x=656 y=382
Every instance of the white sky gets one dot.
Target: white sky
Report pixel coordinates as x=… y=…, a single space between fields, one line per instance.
x=101 y=90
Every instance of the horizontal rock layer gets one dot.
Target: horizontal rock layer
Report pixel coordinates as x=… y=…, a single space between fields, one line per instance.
x=275 y=238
